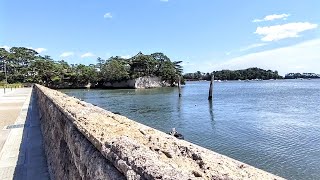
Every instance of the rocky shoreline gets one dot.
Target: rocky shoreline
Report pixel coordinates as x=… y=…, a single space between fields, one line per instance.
x=138 y=83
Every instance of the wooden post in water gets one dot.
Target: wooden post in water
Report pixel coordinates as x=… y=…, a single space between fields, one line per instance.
x=179 y=85
x=211 y=86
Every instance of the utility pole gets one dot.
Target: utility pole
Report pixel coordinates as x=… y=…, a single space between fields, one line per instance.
x=5 y=75
x=5 y=70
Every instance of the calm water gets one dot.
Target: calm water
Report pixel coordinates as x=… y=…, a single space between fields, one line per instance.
x=272 y=125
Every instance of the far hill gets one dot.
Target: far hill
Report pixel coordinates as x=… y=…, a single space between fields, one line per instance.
x=250 y=73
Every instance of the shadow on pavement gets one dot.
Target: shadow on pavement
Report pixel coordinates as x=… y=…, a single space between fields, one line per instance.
x=32 y=162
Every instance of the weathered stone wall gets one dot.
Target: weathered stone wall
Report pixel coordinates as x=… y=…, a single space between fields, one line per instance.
x=70 y=154
x=83 y=141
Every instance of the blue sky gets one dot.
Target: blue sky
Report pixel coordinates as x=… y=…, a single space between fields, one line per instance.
x=206 y=35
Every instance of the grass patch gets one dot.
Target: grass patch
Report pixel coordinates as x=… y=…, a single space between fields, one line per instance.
x=15 y=85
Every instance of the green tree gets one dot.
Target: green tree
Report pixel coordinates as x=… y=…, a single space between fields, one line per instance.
x=18 y=63
x=44 y=71
x=100 y=63
x=142 y=65
x=3 y=59
x=160 y=58
x=115 y=70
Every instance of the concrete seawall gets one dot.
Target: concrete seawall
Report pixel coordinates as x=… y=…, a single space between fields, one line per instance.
x=83 y=141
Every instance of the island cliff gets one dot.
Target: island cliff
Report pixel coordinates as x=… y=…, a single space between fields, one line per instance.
x=139 y=83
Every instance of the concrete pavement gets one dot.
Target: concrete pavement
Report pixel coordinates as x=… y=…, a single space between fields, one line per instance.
x=10 y=106
x=6 y=91
x=22 y=155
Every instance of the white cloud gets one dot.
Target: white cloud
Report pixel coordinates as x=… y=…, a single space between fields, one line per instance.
x=126 y=56
x=164 y=0
x=107 y=15
x=40 y=50
x=272 y=17
x=289 y=30
x=88 y=54
x=247 y=48
x=228 y=53
x=252 y=46
x=7 y=48
x=302 y=57
x=67 y=54
x=187 y=64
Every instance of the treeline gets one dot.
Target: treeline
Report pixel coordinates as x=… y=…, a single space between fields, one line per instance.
x=23 y=65
x=301 y=75
x=250 y=73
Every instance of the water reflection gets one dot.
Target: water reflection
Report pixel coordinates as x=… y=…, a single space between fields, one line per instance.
x=211 y=111
x=179 y=105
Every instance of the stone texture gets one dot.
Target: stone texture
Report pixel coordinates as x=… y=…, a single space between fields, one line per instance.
x=83 y=141
x=150 y=82
x=69 y=153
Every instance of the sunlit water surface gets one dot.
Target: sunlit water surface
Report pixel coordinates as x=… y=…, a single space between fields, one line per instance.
x=272 y=125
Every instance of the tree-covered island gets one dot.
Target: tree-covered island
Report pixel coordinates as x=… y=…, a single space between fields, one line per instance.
x=250 y=73
x=24 y=65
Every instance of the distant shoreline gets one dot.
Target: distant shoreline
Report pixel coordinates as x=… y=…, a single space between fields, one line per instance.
x=195 y=80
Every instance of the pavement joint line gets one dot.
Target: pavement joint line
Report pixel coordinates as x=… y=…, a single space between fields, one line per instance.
x=15 y=126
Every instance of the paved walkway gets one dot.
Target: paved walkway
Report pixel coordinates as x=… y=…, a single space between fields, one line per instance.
x=22 y=155
x=10 y=106
x=6 y=91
